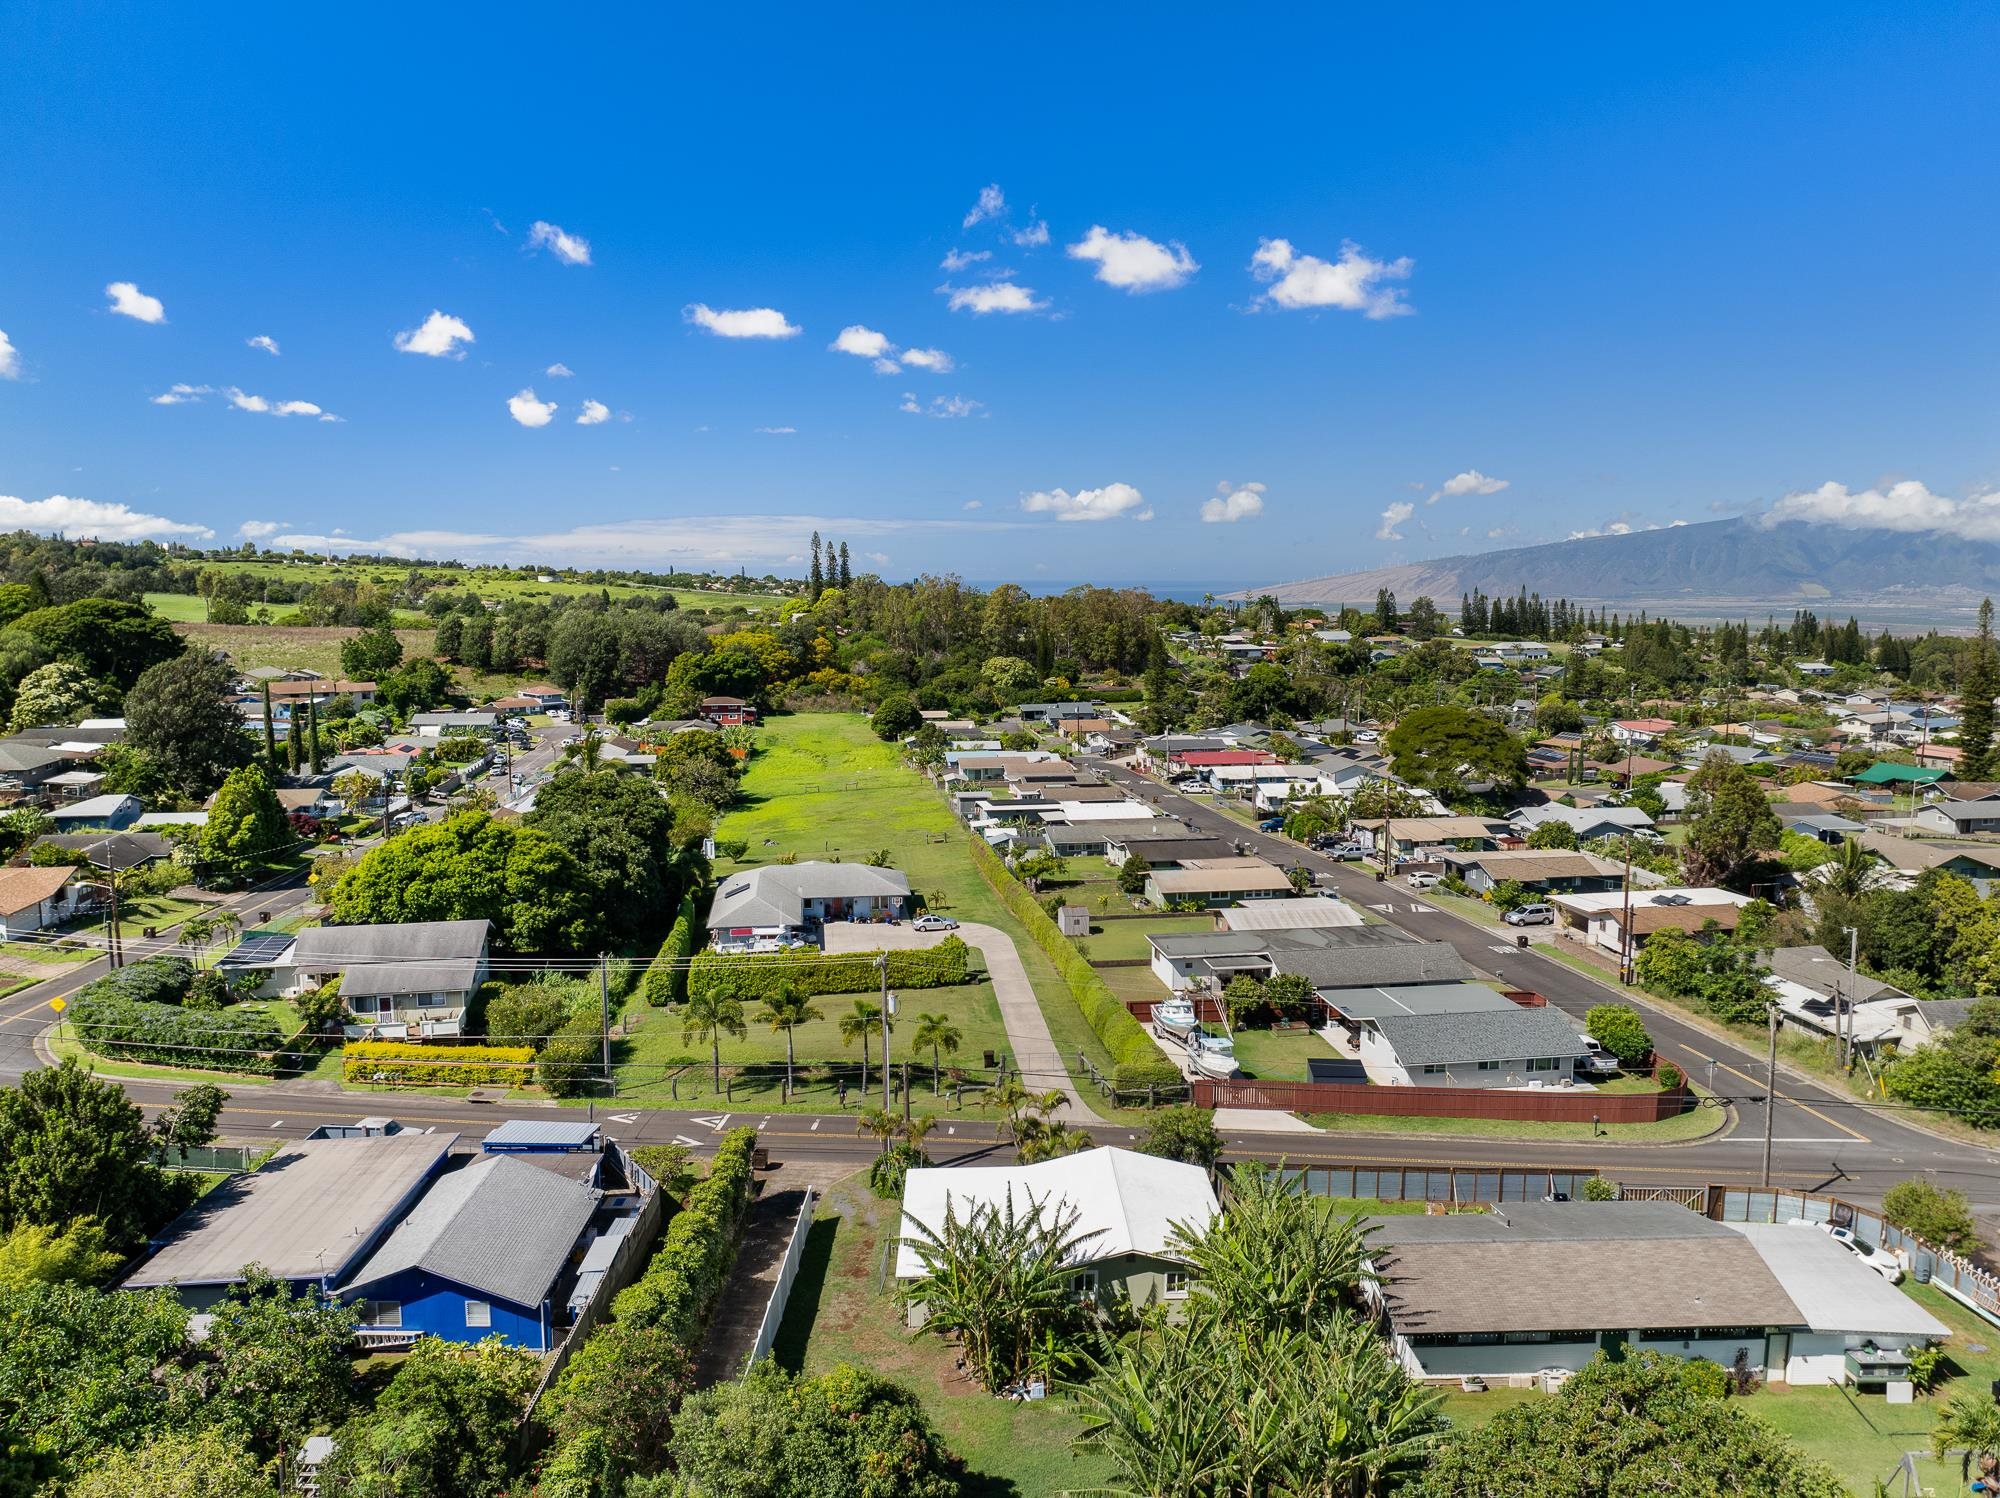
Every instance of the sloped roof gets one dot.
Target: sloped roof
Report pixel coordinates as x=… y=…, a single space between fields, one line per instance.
x=1131 y=1200
x=1834 y=1291
x=498 y=1226
x=21 y=888
x=1384 y=966
x=416 y=957
x=775 y=894
x=1467 y=1035
x=1818 y=969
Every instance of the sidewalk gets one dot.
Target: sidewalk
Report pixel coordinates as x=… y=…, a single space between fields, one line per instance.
x=739 y=1310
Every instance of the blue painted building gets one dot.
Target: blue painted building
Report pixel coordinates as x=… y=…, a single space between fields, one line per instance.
x=490 y=1250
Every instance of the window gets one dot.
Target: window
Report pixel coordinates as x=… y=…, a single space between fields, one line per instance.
x=387 y=1313
x=430 y=1001
x=362 y=1005
x=1177 y=1284
x=1084 y=1283
x=1435 y=1071
x=1542 y=1063
x=1489 y=1066
x=478 y=1313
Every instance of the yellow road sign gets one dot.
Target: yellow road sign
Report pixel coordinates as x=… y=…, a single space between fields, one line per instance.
x=59 y=1005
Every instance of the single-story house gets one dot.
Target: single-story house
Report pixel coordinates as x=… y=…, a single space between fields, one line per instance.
x=1639 y=730
x=159 y=821
x=98 y=814
x=1328 y=957
x=113 y=850
x=1910 y=856
x=289 y=698
x=1053 y=712
x=1410 y=835
x=1303 y=913
x=25 y=766
x=306 y=1216
x=1825 y=826
x=1454 y=1035
x=765 y=907
x=1588 y=822
x=1094 y=839
x=310 y=801
x=411 y=981
x=483 y=1254
x=1599 y=920
x=1526 y=1286
x=1179 y=852
x=1960 y=818
x=75 y=785
x=437 y=725
x=33 y=899
x=1217 y=881
x=1543 y=871
x=1127 y=1203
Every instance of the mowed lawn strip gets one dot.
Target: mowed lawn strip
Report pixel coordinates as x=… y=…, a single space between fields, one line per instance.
x=837 y=1314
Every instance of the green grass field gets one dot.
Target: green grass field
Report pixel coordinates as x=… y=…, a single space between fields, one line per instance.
x=487 y=582
x=837 y=1314
x=822 y=786
x=1111 y=941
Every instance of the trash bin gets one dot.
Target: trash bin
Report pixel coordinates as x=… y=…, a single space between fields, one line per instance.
x=1521 y=942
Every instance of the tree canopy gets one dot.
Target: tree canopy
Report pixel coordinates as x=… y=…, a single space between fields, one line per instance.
x=1730 y=825
x=112 y=641
x=619 y=829
x=246 y=825
x=181 y=716
x=1445 y=748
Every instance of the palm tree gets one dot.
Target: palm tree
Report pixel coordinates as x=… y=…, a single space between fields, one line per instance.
x=937 y=1032
x=786 y=1010
x=879 y=1122
x=1851 y=872
x=1012 y=1098
x=1969 y=1424
x=860 y=1025
x=1036 y=1139
x=199 y=933
x=916 y=1130
x=711 y=1013
x=583 y=753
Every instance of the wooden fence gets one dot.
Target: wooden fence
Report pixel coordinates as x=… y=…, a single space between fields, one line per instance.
x=1522 y=1106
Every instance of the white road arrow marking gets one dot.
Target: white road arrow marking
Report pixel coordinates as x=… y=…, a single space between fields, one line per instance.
x=624 y=1118
x=714 y=1123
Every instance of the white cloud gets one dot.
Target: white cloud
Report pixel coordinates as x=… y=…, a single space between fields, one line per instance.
x=528 y=411
x=558 y=371
x=1000 y=296
x=992 y=203
x=973 y=504
x=1108 y=503
x=439 y=337
x=257 y=530
x=61 y=515
x=1132 y=262
x=1472 y=481
x=751 y=322
x=879 y=558
x=263 y=341
x=1034 y=236
x=183 y=395
x=594 y=413
x=296 y=408
x=863 y=343
x=570 y=249
x=10 y=359
x=1352 y=283
x=777 y=431
x=956 y=260
x=942 y=406
x=1392 y=517
x=1233 y=502
x=935 y=360
x=1908 y=506
x=243 y=401
x=127 y=300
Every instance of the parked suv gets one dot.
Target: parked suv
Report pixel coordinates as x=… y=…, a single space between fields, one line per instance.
x=1531 y=915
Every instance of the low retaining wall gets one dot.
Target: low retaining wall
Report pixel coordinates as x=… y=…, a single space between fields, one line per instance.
x=1552 y=1106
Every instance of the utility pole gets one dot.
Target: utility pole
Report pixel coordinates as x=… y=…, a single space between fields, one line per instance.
x=887 y=999
x=1853 y=954
x=1770 y=1089
x=112 y=953
x=1625 y=928
x=604 y=1001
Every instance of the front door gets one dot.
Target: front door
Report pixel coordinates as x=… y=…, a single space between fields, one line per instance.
x=1777 y=1353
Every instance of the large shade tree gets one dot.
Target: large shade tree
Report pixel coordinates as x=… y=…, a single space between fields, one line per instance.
x=182 y=715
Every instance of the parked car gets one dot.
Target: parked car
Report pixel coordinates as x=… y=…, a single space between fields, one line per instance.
x=1424 y=880
x=1367 y=736
x=1271 y=824
x=1348 y=850
x=1880 y=1260
x=1531 y=915
x=933 y=923
x=1595 y=1060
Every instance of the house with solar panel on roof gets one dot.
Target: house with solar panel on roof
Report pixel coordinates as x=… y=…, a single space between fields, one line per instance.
x=412 y=981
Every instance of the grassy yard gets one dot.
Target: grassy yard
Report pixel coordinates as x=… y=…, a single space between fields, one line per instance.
x=1279 y=1055
x=822 y=786
x=161 y=912
x=1110 y=941
x=839 y=1313
x=1694 y=1124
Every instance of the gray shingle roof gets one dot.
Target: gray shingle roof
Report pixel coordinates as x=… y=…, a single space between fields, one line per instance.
x=1512 y=1034
x=418 y=957
x=1376 y=966
x=498 y=1226
x=113 y=850
x=775 y=894
x=1818 y=969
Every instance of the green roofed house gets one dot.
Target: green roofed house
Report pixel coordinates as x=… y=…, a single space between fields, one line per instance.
x=1887 y=774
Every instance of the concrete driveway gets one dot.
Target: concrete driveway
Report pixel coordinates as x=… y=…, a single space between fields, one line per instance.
x=1035 y=1054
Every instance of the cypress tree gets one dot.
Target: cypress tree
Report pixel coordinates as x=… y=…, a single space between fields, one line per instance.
x=816 y=581
x=292 y=744
x=846 y=572
x=1975 y=726
x=270 y=733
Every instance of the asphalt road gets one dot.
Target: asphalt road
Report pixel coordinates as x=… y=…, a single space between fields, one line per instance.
x=1820 y=1137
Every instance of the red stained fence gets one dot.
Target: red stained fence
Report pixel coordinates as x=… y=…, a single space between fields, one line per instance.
x=1552 y=1106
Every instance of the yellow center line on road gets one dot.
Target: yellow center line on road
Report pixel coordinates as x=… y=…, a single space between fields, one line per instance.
x=1832 y=1123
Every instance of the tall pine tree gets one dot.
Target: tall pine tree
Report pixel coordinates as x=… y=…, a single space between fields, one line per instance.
x=270 y=735
x=1981 y=681
x=846 y=573
x=816 y=582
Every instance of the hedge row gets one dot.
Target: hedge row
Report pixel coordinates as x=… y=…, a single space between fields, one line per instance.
x=1135 y=1060
x=667 y=978
x=225 y=1040
x=571 y=1063
x=680 y=1286
x=761 y=976
x=399 y=1065
x=150 y=980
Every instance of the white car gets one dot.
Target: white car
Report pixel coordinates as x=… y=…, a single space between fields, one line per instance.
x=1881 y=1261
x=1423 y=880
x=933 y=923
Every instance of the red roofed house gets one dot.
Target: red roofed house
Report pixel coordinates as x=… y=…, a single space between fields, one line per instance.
x=730 y=712
x=1640 y=730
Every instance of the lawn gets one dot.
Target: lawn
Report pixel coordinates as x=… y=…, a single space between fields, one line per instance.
x=1110 y=941
x=840 y=1313
x=1279 y=1055
x=820 y=785
x=1694 y=1124
x=490 y=583
x=158 y=912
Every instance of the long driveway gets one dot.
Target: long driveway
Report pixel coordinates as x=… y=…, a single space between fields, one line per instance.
x=1826 y=1137
x=1036 y=1056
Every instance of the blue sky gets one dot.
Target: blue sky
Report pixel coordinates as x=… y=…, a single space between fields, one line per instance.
x=1600 y=267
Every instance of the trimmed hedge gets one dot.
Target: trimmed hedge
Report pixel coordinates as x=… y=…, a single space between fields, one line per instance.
x=759 y=976
x=680 y=1286
x=1135 y=1060
x=150 y=980
x=667 y=978
x=572 y=1061
x=129 y=1030
x=401 y=1065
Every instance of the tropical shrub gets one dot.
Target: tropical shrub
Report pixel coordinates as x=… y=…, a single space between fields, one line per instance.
x=392 y=1063
x=667 y=976
x=764 y=975
x=1943 y=1218
x=168 y=1035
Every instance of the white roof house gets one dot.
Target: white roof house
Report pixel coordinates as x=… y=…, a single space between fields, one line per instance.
x=784 y=899
x=1833 y=1290
x=1310 y=912
x=1131 y=1201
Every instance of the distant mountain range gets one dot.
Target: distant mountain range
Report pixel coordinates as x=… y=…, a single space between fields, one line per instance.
x=1723 y=568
